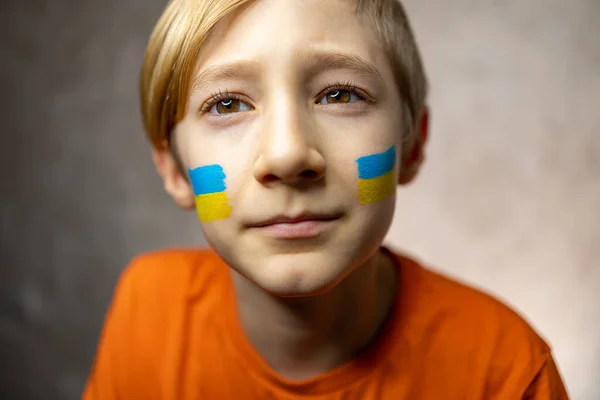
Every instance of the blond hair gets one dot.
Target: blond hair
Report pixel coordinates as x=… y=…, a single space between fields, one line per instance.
x=184 y=26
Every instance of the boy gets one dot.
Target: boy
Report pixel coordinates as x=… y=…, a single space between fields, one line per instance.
x=287 y=125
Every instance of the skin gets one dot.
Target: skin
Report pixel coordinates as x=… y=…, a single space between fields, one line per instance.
x=288 y=141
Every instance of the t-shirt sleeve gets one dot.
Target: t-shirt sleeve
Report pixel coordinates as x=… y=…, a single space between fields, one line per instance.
x=112 y=353
x=547 y=384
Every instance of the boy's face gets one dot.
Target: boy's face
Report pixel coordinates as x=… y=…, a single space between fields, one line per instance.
x=287 y=96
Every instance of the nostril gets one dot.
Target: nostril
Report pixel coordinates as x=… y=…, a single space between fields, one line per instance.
x=306 y=175
x=309 y=174
x=270 y=178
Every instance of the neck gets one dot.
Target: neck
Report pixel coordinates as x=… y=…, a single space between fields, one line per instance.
x=304 y=337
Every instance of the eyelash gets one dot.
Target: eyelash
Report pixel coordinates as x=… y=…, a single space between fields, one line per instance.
x=217 y=97
x=348 y=86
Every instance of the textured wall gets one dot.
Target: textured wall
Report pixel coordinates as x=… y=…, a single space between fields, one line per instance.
x=79 y=195
x=508 y=198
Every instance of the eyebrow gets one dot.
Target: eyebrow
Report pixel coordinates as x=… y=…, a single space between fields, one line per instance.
x=314 y=61
x=318 y=61
x=233 y=70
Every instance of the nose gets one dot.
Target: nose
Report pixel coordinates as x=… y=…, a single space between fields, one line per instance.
x=288 y=152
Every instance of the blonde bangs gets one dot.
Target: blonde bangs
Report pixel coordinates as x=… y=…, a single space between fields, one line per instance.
x=170 y=59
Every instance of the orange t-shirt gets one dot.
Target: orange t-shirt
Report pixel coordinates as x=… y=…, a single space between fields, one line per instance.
x=172 y=333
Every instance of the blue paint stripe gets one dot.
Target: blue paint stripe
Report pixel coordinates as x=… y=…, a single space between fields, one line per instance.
x=375 y=165
x=207 y=179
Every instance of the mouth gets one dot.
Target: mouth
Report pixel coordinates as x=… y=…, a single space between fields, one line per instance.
x=299 y=227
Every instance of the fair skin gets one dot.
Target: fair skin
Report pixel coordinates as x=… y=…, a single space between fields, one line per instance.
x=308 y=90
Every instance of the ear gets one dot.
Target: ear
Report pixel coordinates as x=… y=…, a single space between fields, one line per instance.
x=416 y=155
x=175 y=183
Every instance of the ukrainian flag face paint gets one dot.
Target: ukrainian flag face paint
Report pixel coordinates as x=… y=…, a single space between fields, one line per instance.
x=376 y=176
x=209 y=187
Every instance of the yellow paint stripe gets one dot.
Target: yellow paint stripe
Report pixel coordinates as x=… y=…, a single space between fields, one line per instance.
x=213 y=206
x=376 y=189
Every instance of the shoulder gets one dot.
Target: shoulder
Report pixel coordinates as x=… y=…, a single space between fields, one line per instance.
x=477 y=312
x=170 y=271
x=463 y=305
x=477 y=328
x=145 y=323
x=154 y=288
x=173 y=264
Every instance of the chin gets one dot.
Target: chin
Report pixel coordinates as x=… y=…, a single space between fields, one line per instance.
x=298 y=275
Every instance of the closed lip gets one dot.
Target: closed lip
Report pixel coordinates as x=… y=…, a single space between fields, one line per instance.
x=284 y=219
x=303 y=226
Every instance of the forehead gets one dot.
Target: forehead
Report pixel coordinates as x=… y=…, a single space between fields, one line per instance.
x=279 y=33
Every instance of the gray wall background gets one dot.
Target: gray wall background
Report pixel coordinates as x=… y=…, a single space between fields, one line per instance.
x=508 y=199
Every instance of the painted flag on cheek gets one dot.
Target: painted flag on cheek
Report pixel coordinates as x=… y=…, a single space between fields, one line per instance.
x=376 y=177
x=208 y=183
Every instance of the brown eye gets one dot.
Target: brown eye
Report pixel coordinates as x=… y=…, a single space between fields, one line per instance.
x=228 y=106
x=339 y=96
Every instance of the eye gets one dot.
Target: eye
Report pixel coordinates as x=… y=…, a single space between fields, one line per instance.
x=225 y=103
x=228 y=106
x=340 y=96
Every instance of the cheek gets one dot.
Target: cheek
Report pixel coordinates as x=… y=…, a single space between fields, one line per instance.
x=214 y=165
x=376 y=176
x=208 y=182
